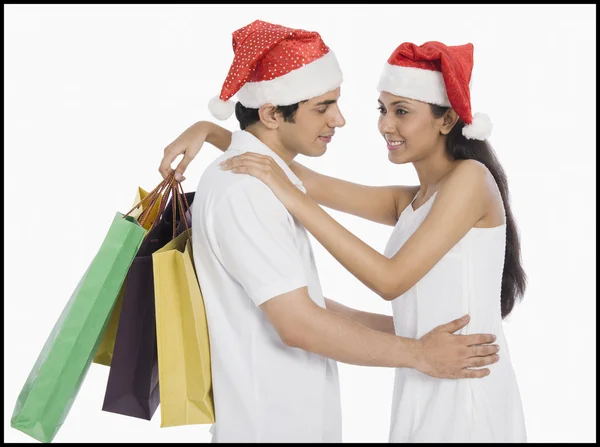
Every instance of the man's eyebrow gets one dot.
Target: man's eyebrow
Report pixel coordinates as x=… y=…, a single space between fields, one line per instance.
x=326 y=103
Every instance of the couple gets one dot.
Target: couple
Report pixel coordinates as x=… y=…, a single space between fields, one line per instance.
x=454 y=250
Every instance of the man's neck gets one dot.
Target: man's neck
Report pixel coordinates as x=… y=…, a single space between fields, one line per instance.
x=269 y=139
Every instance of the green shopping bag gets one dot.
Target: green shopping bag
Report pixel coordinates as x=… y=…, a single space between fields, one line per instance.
x=57 y=374
x=107 y=345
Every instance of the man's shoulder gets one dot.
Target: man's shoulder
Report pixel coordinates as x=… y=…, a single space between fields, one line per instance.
x=238 y=192
x=245 y=189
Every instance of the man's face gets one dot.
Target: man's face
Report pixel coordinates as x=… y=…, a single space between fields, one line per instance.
x=314 y=125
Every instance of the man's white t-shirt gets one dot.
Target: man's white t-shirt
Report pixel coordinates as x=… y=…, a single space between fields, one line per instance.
x=248 y=249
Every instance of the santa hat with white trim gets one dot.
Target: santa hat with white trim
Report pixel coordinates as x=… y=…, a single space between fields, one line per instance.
x=436 y=74
x=276 y=65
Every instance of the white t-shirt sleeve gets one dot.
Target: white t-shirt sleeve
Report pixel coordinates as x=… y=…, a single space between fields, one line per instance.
x=255 y=235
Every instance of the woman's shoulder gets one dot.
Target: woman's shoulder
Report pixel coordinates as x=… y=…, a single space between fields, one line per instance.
x=472 y=168
x=474 y=176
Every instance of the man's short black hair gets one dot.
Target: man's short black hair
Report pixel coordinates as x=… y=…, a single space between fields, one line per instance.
x=247 y=116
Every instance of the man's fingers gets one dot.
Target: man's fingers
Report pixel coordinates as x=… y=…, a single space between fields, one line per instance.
x=453 y=326
x=482 y=351
x=482 y=361
x=182 y=166
x=477 y=339
x=165 y=165
x=179 y=177
x=474 y=373
x=164 y=168
x=163 y=172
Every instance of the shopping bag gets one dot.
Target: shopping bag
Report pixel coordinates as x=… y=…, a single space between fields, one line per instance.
x=183 y=345
x=152 y=214
x=59 y=370
x=107 y=345
x=133 y=383
x=56 y=377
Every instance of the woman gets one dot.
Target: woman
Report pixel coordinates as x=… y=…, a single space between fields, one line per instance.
x=454 y=248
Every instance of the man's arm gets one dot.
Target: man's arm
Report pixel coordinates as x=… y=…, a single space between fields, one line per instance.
x=189 y=144
x=255 y=237
x=303 y=324
x=377 y=322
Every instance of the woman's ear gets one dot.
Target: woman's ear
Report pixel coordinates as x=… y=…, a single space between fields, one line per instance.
x=268 y=116
x=449 y=120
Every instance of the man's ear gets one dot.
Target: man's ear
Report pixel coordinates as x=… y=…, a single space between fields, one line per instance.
x=268 y=116
x=449 y=120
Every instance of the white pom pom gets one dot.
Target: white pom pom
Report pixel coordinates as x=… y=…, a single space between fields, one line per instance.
x=221 y=110
x=479 y=129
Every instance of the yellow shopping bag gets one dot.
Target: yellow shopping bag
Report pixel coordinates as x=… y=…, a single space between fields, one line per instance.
x=141 y=195
x=107 y=345
x=184 y=370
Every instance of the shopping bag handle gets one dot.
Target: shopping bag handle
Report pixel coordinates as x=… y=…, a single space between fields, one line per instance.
x=152 y=197
x=170 y=188
x=175 y=190
x=181 y=194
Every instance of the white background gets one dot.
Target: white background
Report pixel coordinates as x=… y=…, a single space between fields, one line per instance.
x=93 y=94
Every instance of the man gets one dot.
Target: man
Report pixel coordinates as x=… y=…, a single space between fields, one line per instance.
x=274 y=338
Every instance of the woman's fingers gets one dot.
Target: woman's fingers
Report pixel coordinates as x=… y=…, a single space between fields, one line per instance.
x=246 y=166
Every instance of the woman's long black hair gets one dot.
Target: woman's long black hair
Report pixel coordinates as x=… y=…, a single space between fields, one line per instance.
x=459 y=147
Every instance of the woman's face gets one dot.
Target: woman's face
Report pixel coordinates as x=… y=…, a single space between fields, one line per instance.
x=409 y=128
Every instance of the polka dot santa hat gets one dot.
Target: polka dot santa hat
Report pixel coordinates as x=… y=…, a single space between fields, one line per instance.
x=436 y=74
x=276 y=65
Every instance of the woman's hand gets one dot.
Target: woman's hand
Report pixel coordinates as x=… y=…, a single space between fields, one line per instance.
x=264 y=168
x=188 y=144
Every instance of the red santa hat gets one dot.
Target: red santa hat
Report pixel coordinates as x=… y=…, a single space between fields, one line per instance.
x=276 y=65
x=436 y=74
